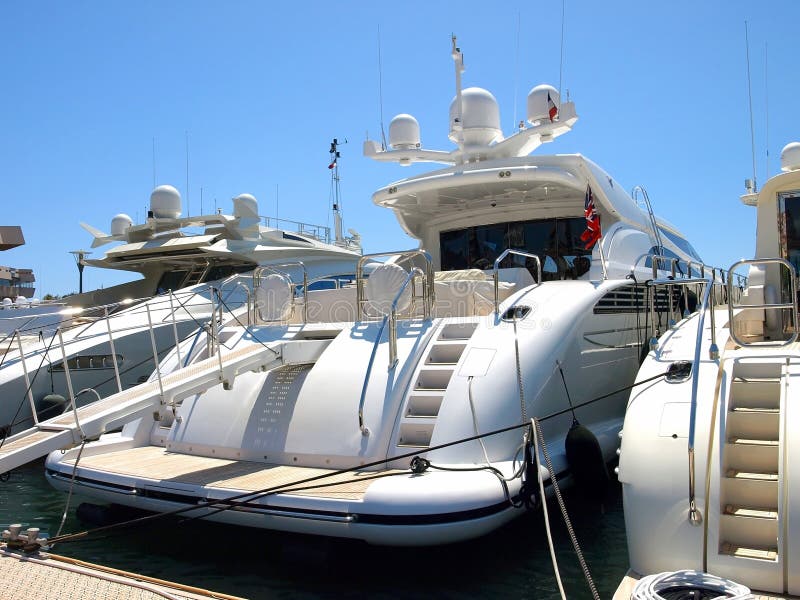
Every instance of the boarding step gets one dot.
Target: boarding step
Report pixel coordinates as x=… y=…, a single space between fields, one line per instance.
x=751 y=513
x=458 y=331
x=762 y=493
x=758 y=425
x=761 y=393
x=734 y=474
x=761 y=458
x=445 y=354
x=752 y=442
x=750 y=532
x=768 y=553
x=415 y=434
x=433 y=379
x=423 y=405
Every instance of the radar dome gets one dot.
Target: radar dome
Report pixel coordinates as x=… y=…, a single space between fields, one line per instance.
x=245 y=205
x=165 y=202
x=539 y=103
x=790 y=157
x=480 y=116
x=21 y=301
x=7 y=302
x=404 y=133
x=120 y=223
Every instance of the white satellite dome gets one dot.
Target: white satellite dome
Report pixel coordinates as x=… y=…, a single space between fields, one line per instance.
x=404 y=132
x=120 y=223
x=7 y=302
x=21 y=301
x=245 y=205
x=538 y=105
x=165 y=202
x=480 y=117
x=790 y=157
x=35 y=300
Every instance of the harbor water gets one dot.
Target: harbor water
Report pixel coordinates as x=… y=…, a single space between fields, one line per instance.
x=513 y=562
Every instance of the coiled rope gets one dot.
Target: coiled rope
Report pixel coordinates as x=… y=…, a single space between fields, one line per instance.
x=649 y=587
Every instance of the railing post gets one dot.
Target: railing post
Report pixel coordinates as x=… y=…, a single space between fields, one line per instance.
x=69 y=380
x=113 y=351
x=155 y=352
x=27 y=378
x=175 y=328
x=653 y=329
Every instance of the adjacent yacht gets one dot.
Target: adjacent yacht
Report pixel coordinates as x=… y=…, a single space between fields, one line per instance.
x=709 y=453
x=397 y=410
x=110 y=339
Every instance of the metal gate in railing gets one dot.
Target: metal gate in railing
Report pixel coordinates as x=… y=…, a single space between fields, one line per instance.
x=791 y=305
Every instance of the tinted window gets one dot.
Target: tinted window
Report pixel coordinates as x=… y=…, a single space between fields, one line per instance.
x=556 y=242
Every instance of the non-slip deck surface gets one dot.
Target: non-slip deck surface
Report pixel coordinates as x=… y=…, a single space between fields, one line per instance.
x=50 y=577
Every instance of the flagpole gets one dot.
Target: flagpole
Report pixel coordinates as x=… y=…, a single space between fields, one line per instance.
x=602 y=258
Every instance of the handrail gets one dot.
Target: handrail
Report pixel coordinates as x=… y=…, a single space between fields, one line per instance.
x=273 y=268
x=765 y=306
x=495 y=272
x=414 y=272
x=656 y=233
x=319 y=232
x=695 y=517
x=391 y=319
x=428 y=292
x=365 y=430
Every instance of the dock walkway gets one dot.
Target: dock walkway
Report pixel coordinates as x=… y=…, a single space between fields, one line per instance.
x=45 y=576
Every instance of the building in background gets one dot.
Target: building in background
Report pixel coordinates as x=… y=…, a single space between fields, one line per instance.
x=14 y=282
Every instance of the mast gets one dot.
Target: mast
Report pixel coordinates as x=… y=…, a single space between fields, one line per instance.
x=337 y=213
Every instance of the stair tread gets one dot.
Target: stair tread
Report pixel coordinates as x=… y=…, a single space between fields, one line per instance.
x=749 y=511
x=752 y=442
x=755 y=409
x=734 y=474
x=770 y=554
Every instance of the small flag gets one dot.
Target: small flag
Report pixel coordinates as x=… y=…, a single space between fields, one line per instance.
x=333 y=164
x=552 y=109
x=593 y=232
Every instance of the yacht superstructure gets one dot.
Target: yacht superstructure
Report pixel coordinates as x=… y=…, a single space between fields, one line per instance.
x=397 y=410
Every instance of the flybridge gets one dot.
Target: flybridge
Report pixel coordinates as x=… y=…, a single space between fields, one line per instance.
x=475 y=127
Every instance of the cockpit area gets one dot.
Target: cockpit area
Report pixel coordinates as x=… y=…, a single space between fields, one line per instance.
x=556 y=241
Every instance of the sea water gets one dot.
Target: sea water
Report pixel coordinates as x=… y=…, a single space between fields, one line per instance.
x=513 y=562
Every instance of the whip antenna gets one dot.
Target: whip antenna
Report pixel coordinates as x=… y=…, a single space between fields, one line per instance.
x=750 y=100
x=516 y=73
x=766 y=94
x=561 y=64
x=380 y=90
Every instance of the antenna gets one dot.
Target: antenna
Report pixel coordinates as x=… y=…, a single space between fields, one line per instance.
x=458 y=59
x=154 y=162
x=516 y=71
x=277 y=200
x=201 y=199
x=750 y=99
x=561 y=64
x=337 y=212
x=766 y=100
x=380 y=90
x=188 y=210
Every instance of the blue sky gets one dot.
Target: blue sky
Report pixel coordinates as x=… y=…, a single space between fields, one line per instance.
x=262 y=88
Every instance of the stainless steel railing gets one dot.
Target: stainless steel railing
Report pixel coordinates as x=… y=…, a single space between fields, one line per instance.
x=496 y=275
x=791 y=305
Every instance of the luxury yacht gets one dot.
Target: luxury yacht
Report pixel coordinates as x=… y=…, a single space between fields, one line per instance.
x=709 y=453
x=110 y=339
x=398 y=410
